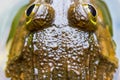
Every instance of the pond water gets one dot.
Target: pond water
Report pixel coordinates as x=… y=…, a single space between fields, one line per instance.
x=8 y=9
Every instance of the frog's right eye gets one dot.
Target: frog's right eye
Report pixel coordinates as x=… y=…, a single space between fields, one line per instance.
x=39 y=16
x=30 y=9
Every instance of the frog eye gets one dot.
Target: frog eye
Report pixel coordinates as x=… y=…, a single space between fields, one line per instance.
x=82 y=16
x=92 y=10
x=39 y=16
x=30 y=9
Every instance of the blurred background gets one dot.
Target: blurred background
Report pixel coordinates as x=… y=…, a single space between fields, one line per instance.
x=8 y=9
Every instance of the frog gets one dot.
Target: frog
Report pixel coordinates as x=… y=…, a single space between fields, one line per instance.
x=63 y=40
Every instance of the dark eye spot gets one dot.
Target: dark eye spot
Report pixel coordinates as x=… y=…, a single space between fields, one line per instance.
x=29 y=10
x=92 y=10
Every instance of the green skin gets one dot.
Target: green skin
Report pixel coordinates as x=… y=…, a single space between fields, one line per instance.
x=55 y=43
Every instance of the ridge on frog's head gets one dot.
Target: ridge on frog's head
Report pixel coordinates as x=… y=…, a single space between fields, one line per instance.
x=75 y=13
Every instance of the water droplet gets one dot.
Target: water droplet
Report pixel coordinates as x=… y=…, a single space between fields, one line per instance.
x=86 y=45
x=35 y=71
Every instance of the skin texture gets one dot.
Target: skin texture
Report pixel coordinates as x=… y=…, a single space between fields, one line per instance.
x=56 y=43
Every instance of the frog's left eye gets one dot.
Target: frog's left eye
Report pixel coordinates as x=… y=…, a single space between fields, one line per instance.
x=92 y=10
x=83 y=16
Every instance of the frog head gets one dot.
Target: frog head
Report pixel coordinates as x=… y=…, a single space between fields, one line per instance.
x=76 y=13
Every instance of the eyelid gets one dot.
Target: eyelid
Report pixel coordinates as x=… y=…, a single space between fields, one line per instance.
x=35 y=9
x=85 y=7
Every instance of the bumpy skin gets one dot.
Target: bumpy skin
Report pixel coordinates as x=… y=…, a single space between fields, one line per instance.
x=62 y=51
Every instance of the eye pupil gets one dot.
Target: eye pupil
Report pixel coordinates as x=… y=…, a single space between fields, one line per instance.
x=29 y=10
x=92 y=10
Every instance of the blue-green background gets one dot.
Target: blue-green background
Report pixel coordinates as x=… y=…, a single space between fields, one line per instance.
x=8 y=9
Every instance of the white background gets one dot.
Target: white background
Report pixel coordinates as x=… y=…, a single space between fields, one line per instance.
x=8 y=9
